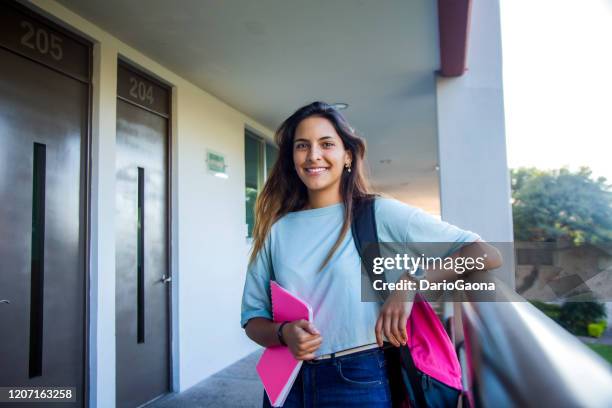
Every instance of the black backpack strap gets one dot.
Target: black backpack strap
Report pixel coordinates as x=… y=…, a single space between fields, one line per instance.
x=365 y=236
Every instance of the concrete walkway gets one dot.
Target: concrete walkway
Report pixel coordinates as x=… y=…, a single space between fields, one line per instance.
x=235 y=386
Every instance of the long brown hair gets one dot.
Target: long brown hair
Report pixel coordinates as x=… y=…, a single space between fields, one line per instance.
x=284 y=192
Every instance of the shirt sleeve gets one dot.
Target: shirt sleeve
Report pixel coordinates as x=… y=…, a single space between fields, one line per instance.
x=407 y=224
x=256 y=293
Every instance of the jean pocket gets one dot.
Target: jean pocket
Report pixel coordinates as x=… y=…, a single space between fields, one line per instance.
x=363 y=371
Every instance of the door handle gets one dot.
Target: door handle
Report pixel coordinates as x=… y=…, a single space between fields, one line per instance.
x=166 y=279
x=5 y=301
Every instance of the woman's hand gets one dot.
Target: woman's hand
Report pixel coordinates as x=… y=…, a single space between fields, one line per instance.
x=303 y=339
x=393 y=317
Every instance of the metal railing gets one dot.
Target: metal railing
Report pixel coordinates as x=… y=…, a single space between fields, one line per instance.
x=515 y=356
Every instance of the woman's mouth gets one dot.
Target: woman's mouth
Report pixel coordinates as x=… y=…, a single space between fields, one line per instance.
x=316 y=170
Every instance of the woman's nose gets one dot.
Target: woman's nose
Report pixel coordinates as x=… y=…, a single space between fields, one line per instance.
x=314 y=153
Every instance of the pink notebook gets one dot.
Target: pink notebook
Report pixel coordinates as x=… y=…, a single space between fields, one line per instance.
x=277 y=367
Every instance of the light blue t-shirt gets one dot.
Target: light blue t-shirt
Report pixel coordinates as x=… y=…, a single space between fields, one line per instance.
x=299 y=242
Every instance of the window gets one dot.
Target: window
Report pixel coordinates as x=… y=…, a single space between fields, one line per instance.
x=259 y=158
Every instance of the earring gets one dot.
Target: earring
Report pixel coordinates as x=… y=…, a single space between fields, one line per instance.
x=348 y=167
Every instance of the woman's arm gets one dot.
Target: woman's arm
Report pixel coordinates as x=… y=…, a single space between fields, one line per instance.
x=301 y=336
x=262 y=331
x=395 y=312
x=491 y=259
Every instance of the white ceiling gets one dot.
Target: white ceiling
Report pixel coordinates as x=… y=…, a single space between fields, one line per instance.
x=266 y=58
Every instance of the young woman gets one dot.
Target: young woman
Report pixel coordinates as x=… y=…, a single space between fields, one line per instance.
x=302 y=234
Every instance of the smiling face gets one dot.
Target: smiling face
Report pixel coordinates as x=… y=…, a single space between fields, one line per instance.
x=320 y=158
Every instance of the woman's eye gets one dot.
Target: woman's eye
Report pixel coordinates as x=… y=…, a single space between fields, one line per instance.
x=328 y=144
x=300 y=146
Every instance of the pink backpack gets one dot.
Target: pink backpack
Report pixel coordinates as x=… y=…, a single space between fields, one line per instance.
x=432 y=350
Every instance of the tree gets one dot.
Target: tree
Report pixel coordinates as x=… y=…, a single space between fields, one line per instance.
x=549 y=205
x=576 y=316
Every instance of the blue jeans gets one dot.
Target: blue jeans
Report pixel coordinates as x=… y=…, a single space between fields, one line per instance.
x=354 y=380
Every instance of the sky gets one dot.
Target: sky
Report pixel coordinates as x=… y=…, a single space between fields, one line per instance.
x=557 y=66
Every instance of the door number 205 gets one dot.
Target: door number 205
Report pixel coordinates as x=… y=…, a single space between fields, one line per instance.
x=42 y=41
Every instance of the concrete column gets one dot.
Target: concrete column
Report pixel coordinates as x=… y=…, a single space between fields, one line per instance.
x=474 y=175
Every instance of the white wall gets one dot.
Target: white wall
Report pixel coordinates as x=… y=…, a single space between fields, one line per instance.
x=102 y=245
x=211 y=238
x=474 y=176
x=208 y=216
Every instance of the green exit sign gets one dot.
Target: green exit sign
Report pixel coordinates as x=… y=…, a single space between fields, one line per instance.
x=216 y=164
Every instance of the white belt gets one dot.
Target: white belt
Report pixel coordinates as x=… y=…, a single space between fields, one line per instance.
x=347 y=351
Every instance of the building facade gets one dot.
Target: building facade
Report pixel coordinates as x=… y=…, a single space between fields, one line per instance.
x=126 y=174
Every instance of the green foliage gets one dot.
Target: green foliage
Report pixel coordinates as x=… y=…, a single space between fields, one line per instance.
x=595 y=329
x=576 y=316
x=603 y=323
x=549 y=205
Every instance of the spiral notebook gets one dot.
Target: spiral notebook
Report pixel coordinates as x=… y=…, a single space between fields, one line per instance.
x=277 y=367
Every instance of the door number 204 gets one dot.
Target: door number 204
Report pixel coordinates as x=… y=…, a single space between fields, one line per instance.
x=140 y=90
